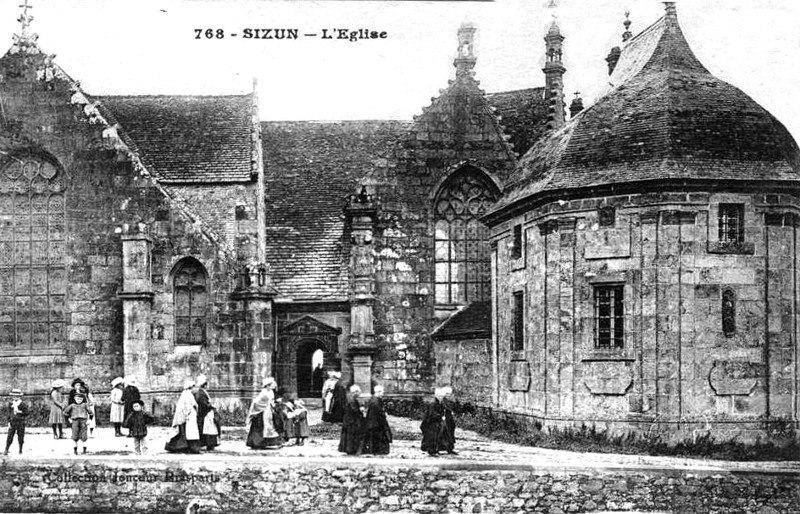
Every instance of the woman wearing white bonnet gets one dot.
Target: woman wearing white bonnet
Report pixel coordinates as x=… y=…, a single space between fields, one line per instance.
x=207 y=423
x=438 y=426
x=117 y=414
x=261 y=433
x=186 y=436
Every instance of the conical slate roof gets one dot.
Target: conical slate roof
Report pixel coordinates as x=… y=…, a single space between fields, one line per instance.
x=665 y=117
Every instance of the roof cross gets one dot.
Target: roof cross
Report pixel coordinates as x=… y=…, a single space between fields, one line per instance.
x=25 y=19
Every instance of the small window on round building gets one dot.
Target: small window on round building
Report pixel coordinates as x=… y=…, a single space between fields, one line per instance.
x=728 y=312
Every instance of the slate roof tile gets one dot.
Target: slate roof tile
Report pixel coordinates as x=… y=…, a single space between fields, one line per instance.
x=311 y=168
x=665 y=116
x=523 y=115
x=473 y=321
x=188 y=139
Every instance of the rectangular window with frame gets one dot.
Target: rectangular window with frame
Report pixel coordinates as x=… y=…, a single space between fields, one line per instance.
x=518 y=320
x=609 y=316
x=516 y=244
x=731 y=223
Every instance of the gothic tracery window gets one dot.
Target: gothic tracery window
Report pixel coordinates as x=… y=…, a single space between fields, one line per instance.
x=462 y=272
x=32 y=269
x=190 y=296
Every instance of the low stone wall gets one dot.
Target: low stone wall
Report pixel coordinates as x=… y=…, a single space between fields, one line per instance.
x=321 y=486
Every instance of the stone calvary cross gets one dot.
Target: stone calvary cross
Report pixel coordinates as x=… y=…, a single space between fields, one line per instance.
x=25 y=19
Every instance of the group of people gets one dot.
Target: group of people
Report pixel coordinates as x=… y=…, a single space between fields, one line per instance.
x=195 y=424
x=78 y=410
x=271 y=421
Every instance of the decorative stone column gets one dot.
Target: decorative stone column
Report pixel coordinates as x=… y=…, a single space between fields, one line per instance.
x=137 y=302
x=254 y=343
x=361 y=347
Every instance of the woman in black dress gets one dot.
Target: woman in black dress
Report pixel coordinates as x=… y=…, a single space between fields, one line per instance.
x=438 y=426
x=378 y=435
x=352 y=438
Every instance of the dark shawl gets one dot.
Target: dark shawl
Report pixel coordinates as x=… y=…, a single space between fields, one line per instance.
x=352 y=438
x=438 y=428
x=378 y=434
x=130 y=395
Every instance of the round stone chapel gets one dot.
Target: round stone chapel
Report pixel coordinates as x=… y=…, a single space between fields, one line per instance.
x=645 y=258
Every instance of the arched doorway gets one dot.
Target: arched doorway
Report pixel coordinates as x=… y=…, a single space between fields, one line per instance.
x=310 y=356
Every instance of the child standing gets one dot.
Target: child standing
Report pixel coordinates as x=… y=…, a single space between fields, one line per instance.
x=136 y=423
x=19 y=412
x=117 y=407
x=78 y=412
x=300 y=418
x=56 y=402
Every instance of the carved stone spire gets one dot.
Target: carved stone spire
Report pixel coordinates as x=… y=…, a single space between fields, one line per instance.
x=576 y=106
x=465 y=59
x=554 y=75
x=627 y=34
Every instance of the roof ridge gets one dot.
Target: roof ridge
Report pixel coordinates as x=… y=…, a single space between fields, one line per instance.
x=646 y=30
x=537 y=88
x=242 y=95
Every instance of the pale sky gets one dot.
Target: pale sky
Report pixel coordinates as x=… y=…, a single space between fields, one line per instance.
x=149 y=47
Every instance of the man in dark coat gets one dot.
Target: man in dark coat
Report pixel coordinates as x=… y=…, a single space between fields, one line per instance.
x=204 y=407
x=130 y=395
x=352 y=439
x=378 y=435
x=317 y=378
x=18 y=414
x=438 y=426
x=339 y=401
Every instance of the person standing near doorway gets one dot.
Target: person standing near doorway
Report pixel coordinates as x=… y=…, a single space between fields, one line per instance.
x=317 y=377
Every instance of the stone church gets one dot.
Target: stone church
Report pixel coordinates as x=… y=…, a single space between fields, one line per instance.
x=160 y=237
x=633 y=266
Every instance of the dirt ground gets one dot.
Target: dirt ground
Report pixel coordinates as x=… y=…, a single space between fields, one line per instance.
x=471 y=448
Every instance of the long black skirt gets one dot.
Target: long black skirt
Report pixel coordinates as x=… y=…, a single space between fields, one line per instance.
x=438 y=437
x=256 y=439
x=377 y=441
x=179 y=443
x=352 y=439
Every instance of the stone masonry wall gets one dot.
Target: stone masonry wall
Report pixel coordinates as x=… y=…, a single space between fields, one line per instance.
x=677 y=364
x=466 y=366
x=320 y=487
x=104 y=194
x=457 y=129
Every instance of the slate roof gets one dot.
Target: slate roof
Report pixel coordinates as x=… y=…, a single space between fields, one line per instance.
x=188 y=139
x=472 y=322
x=665 y=117
x=523 y=115
x=310 y=169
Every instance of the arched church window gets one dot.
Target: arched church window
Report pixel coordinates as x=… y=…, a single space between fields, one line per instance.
x=32 y=269
x=191 y=297
x=461 y=251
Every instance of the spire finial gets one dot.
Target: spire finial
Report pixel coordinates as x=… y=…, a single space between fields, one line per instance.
x=465 y=58
x=670 y=8
x=627 y=34
x=25 y=19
